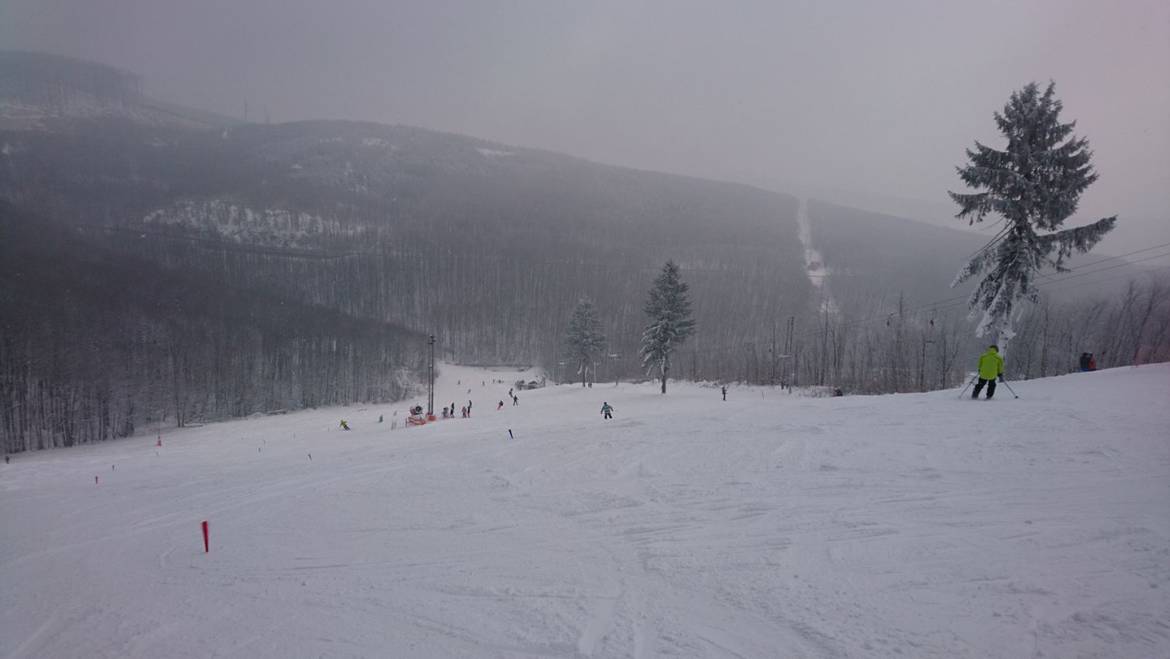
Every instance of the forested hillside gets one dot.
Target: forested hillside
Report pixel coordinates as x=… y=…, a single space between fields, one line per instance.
x=486 y=246
x=95 y=344
x=897 y=325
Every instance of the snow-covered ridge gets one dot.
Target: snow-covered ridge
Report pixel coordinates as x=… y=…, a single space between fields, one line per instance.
x=241 y=224
x=23 y=115
x=20 y=115
x=493 y=153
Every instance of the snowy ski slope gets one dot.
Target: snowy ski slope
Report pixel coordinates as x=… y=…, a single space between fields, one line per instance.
x=767 y=526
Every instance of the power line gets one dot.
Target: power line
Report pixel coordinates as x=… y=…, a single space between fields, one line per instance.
x=1091 y=272
x=1079 y=267
x=994 y=239
x=1111 y=258
x=957 y=301
x=1058 y=280
x=1105 y=268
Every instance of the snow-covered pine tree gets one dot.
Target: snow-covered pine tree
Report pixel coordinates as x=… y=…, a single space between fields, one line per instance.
x=584 y=337
x=670 y=321
x=1034 y=185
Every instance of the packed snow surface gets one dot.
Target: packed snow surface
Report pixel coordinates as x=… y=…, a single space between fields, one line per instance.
x=770 y=525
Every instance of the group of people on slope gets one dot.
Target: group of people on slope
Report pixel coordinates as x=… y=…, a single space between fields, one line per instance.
x=464 y=412
x=990 y=371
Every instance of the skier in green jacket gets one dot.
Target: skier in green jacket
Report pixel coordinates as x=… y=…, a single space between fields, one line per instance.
x=990 y=368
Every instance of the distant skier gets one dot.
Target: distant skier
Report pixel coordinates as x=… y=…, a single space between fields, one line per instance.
x=344 y=425
x=515 y=400
x=379 y=418
x=990 y=368
x=725 y=393
x=500 y=406
x=607 y=410
x=468 y=408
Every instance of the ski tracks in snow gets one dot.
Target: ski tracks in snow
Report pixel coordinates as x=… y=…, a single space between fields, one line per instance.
x=824 y=528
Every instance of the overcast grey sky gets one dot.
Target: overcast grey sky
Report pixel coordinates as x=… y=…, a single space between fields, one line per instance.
x=863 y=98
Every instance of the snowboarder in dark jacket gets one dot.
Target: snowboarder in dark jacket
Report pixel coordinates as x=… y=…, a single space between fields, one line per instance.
x=607 y=410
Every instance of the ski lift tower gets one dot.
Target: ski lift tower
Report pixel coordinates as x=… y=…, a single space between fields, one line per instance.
x=431 y=395
x=613 y=356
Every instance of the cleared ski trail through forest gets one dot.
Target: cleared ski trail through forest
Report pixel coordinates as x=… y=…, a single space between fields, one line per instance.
x=771 y=525
x=814 y=262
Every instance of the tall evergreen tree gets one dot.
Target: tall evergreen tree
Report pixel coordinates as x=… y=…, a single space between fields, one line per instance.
x=1034 y=184
x=670 y=321
x=584 y=337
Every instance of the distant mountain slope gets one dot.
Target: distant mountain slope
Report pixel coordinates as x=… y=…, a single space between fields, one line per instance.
x=872 y=258
x=355 y=225
x=485 y=245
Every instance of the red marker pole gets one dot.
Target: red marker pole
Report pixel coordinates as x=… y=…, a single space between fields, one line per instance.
x=206 y=545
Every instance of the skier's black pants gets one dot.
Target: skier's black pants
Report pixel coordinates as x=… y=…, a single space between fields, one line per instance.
x=979 y=387
x=608 y=415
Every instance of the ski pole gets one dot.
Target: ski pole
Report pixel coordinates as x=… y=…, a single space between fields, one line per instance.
x=1004 y=383
x=965 y=388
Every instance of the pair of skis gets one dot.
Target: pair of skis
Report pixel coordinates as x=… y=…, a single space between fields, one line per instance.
x=1003 y=382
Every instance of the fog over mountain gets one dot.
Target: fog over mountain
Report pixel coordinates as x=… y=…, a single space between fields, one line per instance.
x=221 y=209
x=866 y=104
